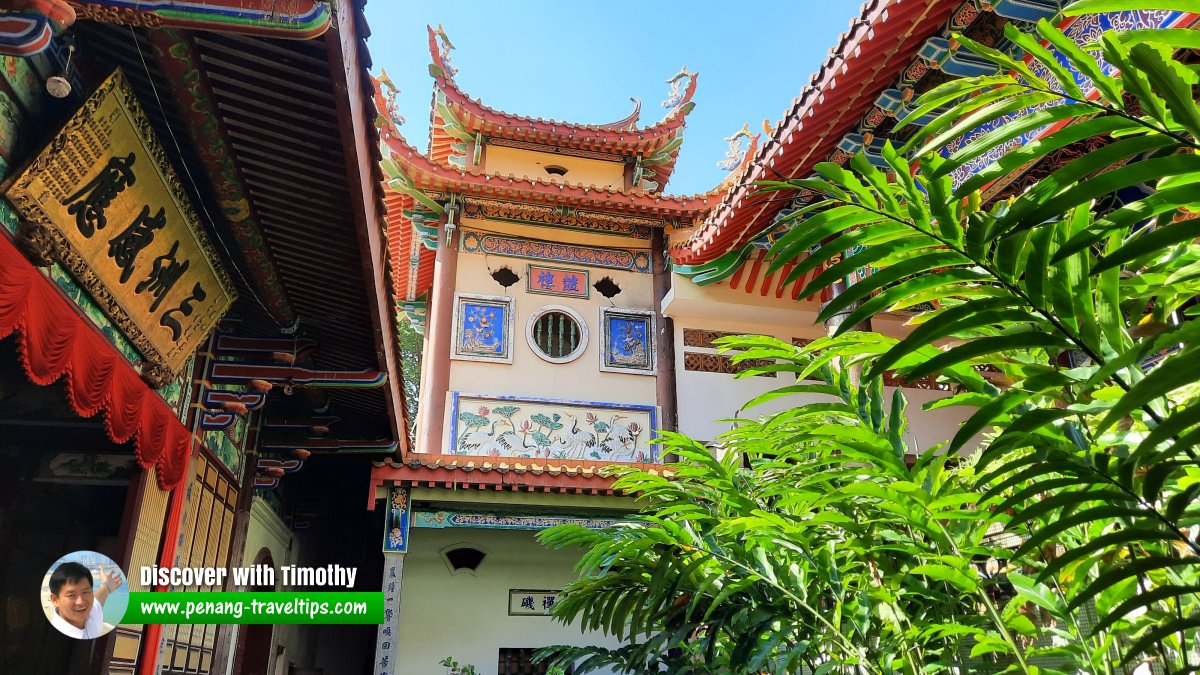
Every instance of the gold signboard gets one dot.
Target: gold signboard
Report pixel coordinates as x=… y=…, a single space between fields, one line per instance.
x=103 y=199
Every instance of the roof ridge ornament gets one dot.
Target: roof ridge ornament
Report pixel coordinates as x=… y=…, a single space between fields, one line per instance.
x=678 y=96
x=439 y=48
x=636 y=114
x=736 y=154
x=629 y=123
x=392 y=91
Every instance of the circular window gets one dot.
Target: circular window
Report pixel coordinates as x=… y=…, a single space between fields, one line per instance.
x=556 y=333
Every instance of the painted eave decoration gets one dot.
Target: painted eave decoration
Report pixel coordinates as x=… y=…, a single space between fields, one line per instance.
x=26 y=26
x=633 y=260
x=103 y=199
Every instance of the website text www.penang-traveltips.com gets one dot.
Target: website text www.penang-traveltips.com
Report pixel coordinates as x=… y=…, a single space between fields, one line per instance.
x=225 y=609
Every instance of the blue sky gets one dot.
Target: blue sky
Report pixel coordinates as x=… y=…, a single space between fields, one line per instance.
x=581 y=60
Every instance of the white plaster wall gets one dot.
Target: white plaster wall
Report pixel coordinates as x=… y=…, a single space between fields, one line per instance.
x=706 y=397
x=504 y=161
x=465 y=616
x=266 y=530
x=529 y=375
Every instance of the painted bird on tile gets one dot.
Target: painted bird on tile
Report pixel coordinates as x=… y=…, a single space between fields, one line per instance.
x=471 y=443
x=576 y=444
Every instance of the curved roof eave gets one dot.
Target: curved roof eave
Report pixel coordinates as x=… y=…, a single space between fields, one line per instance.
x=621 y=137
x=427 y=175
x=868 y=57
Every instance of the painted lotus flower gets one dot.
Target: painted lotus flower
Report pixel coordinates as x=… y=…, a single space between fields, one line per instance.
x=634 y=428
x=591 y=418
x=483 y=411
x=526 y=425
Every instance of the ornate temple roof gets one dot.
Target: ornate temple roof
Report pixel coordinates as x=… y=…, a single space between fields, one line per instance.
x=428 y=176
x=460 y=124
x=456 y=118
x=880 y=43
x=415 y=177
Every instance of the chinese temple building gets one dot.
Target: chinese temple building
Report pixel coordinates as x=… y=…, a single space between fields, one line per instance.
x=180 y=387
x=531 y=252
x=570 y=306
x=211 y=225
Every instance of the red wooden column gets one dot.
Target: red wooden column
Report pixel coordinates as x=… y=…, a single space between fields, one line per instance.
x=436 y=369
x=664 y=339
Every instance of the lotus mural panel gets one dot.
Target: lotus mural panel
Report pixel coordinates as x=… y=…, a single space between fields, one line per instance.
x=498 y=426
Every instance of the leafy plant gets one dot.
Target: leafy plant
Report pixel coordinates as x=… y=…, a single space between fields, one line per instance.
x=1060 y=316
x=411 y=344
x=457 y=668
x=812 y=557
x=1078 y=307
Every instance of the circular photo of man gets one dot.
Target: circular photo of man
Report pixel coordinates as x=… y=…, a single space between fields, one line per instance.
x=84 y=595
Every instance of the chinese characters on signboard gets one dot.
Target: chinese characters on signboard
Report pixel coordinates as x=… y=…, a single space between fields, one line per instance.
x=557 y=281
x=103 y=199
x=525 y=602
x=389 y=631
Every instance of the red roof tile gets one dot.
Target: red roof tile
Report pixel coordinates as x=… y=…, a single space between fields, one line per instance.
x=490 y=473
x=879 y=44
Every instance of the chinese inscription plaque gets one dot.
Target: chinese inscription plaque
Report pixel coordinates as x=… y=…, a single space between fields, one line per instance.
x=103 y=199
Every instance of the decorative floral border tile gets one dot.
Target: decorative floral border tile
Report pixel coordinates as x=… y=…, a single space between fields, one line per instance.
x=505 y=521
x=474 y=241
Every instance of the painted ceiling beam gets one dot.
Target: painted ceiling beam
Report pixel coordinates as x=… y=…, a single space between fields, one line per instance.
x=329 y=445
x=26 y=26
x=25 y=33
x=299 y=376
x=182 y=66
